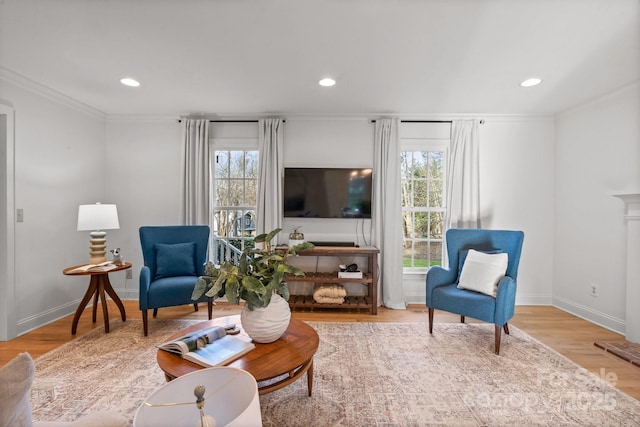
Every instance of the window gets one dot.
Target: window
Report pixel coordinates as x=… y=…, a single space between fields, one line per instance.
x=235 y=195
x=423 y=172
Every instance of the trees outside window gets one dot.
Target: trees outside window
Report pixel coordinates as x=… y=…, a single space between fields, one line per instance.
x=422 y=211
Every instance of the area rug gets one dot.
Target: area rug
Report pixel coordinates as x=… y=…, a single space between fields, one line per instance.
x=624 y=350
x=365 y=374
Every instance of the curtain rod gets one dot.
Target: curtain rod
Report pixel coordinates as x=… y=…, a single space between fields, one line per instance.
x=232 y=121
x=428 y=121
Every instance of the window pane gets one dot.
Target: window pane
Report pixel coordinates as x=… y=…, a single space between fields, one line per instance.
x=251 y=164
x=420 y=164
x=407 y=196
x=236 y=164
x=435 y=164
x=422 y=190
x=407 y=253
x=222 y=192
x=421 y=254
x=220 y=226
x=419 y=193
x=436 y=253
x=405 y=164
x=421 y=225
x=436 y=224
x=222 y=164
x=435 y=194
x=251 y=192
x=236 y=192
x=407 y=224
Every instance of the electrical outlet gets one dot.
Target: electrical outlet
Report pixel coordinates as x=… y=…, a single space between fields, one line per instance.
x=129 y=274
x=19 y=215
x=594 y=290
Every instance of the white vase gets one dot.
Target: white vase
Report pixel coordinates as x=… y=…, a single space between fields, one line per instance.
x=266 y=324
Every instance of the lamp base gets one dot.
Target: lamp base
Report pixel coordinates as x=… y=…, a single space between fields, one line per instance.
x=97 y=247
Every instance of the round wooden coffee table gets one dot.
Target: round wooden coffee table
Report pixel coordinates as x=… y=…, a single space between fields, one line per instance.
x=278 y=364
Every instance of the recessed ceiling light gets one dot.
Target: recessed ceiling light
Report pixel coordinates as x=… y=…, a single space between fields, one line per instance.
x=130 y=82
x=531 y=82
x=327 y=82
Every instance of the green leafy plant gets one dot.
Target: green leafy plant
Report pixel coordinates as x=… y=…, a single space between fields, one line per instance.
x=260 y=273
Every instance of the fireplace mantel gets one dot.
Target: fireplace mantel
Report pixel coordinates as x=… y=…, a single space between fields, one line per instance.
x=631 y=201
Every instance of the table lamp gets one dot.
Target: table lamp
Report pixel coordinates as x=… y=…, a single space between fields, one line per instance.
x=210 y=397
x=97 y=218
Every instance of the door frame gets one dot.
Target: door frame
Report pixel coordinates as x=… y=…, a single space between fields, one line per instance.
x=7 y=223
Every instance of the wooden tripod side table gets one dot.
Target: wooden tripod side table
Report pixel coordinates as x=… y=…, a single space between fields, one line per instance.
x=98 y=285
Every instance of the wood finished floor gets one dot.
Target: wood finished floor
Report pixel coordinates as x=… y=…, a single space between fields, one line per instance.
x=565 y=333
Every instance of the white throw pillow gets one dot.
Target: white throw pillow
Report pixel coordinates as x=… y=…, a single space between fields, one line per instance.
x=482 y=272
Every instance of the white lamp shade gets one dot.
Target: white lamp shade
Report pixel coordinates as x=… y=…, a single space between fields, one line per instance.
x=231 y=398
x=97 y=217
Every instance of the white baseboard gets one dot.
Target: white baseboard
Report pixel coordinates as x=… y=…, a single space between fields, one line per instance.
x=36 y=321
x=601 y=319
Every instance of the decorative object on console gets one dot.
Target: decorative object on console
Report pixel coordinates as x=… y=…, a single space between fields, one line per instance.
x=258 y=279
x=296 y=237
x=349 y=271
x=97 y=218
x=230 y=398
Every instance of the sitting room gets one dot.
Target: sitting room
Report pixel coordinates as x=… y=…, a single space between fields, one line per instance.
x=395 y=140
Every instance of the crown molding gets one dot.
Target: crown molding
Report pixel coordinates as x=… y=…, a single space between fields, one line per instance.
x=51 y=94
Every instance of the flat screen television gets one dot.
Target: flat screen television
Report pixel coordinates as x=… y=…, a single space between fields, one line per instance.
x=327 y=192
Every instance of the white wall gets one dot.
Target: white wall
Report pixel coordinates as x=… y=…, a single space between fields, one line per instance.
x=142 y=177
x=59 y=164
x=597 y=153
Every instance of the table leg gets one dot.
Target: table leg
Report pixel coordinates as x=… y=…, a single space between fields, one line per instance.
x=310 y=378
x=95 y=303
x=114 y=296
x=105 y=310
x=91 y=290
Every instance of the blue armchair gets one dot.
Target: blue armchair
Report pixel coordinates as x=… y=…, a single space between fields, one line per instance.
x=174 y=257
x=442 y=284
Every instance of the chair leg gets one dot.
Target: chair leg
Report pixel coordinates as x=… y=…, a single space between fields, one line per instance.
x=461 y=319
x=210 y=308
x=145 y=323
x=195 y=306
x=498 y=334
x=155 y=312
x=431 y=320
x=506 y=328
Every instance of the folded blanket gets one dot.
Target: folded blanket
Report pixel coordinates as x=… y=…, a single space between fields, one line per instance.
x=328 y=300
x=329 y=294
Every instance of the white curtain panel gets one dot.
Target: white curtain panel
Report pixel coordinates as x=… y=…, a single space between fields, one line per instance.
x=270 y=169
x=387 y=212
x=195 y=191
x=463 y=186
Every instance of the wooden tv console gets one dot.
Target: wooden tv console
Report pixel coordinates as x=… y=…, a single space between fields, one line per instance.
x=369 y=278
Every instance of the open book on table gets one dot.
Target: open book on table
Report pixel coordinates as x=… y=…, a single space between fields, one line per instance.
x=103 y=266
x=210 y=347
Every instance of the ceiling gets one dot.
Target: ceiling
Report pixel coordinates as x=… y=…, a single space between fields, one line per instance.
x=398 y=57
